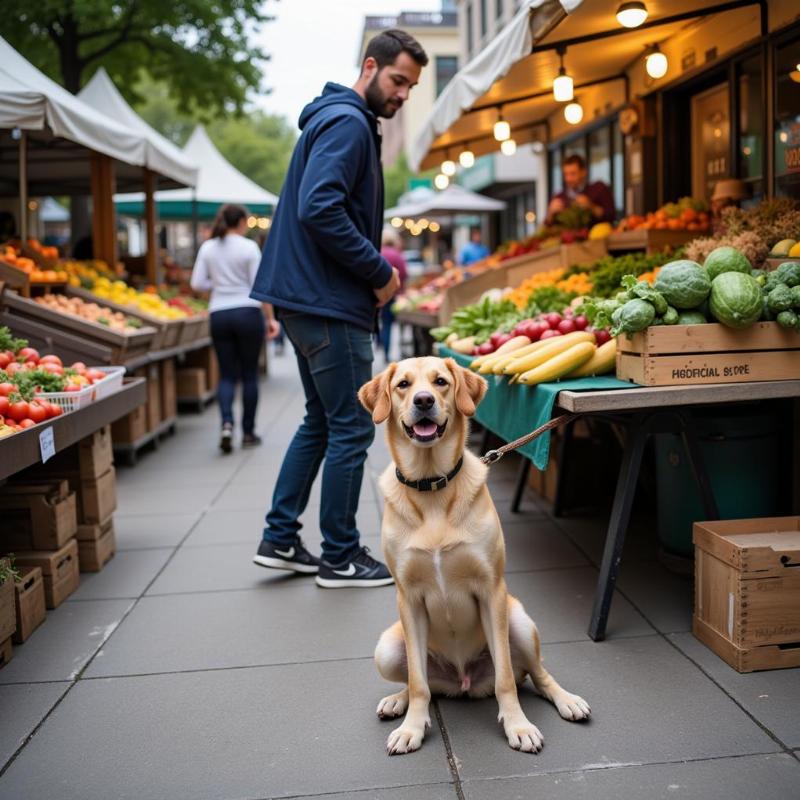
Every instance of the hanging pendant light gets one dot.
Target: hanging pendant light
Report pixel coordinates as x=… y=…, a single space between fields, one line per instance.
x=502 y=130
x=563 y=87
x=632 y=15
x=573 y=113
x=449 y=167
x=508 y=147
x=467 y=158
x=656 y=63
x=441 y=181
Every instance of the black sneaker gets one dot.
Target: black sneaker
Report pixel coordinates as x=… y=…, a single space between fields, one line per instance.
x=251 y=440
x=361 y=570
x=226 y=439
x=294 y=558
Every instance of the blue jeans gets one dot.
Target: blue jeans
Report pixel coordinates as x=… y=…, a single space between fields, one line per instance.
x=238 y=334
x=335 y=360
x=387 y=318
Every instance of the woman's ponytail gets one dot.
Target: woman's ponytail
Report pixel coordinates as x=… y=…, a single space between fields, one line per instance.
x=229 y=216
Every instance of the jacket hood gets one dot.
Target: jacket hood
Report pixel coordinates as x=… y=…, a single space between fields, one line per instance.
x=331 y=94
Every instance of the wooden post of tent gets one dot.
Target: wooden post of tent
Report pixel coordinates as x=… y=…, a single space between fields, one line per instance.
x=23 y=186
x=151 y=254
x=104 y=227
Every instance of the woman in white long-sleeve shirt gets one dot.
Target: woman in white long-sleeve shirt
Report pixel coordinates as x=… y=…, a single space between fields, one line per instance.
x=226 y=266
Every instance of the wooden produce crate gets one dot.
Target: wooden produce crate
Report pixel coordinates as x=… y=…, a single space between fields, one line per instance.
x=169 y=330
x=529 y=264
x=30 y=602
x=582 y=253
x=39 y=515
x=131 y=428
x=169 y=391
x=206 y=359
x=60 y=570
x=6 y=652
x=194 y=328
x=15 y=278
x=773 y=262
x=747 y=591
x=671 y=355
x=8 y=617
x=121 y=346
x=651 y=241
x=96 y=545
x=469 y=291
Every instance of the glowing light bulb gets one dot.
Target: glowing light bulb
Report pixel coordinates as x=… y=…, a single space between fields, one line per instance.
x=509 y=147
x=631 y=15
x=502 y=130
x=397 y=222
x=434 y=227
x=563 y=88
x=449 y=167
x=441 y=181
x=656 y=65
x=467 y=159
x=573 y=113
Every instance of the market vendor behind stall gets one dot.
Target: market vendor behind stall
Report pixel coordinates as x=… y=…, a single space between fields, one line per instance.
x=595 y=196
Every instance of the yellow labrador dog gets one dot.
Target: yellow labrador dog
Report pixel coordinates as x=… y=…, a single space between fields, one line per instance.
x=460 y=632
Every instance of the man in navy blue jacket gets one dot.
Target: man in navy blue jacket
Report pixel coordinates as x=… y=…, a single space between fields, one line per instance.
x=323 y=272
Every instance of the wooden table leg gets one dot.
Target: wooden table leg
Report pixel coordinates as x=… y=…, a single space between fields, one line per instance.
x=635 y=440
x=564 y=442
x=522 y=480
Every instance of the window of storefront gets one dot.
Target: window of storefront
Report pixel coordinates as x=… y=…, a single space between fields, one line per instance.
x=518 y=219
x=470 y=30
x=498 y=11
x=602 y=149
x=787 y=119
x=750 y=135
x=446 y=68
x=484 y=19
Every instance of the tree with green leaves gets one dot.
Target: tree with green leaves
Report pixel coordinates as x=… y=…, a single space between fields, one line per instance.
x=201 y=48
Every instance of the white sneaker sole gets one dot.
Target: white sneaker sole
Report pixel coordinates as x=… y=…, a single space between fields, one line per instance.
x=339 y=583
x=288 y=566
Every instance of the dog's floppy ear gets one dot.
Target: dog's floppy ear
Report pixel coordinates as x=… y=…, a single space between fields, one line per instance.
x=469 y=388
x=376 y=396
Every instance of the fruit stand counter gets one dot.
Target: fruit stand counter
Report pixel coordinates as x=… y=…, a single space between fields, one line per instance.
x=23 y=449
x=642 y=412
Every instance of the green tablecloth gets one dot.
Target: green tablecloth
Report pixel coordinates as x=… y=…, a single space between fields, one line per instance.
x=512 y=411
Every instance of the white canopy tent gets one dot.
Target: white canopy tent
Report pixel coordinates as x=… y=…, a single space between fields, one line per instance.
x=218 y=182
x=161 y=155
x=454 y=199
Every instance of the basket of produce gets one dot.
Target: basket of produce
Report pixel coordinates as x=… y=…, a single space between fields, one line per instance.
x=110 y=384
x=124 y=336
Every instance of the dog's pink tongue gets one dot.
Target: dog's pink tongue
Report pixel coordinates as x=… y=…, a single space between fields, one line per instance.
x=425 y=428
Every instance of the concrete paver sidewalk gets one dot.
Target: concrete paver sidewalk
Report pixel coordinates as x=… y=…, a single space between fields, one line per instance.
x=184 y=671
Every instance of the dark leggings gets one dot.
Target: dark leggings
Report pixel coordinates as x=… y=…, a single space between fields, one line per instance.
x=238 y=334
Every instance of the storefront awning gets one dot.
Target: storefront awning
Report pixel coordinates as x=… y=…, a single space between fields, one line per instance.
x=161 y=155
x=534 y=20
x=515 y=73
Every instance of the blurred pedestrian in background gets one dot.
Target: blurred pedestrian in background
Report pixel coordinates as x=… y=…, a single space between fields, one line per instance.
x=390 y=250
x=226 y=266
x=323 y=272
x=474 y=250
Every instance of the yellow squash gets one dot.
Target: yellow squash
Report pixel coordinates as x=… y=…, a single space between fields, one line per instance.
x=604 y=360
x=560 y=364
x=548 y=349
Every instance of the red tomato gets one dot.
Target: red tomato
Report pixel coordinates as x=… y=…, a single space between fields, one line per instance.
x=18 y=411
x=51 y=359
x=79 y=367
x=6 y=389
x=28 y=354
x=602 y=336
x=580 y=322
x=51 y=366
x=73 y=387
x=4 y=404
x=566 y=326
x=36 y=411
x=14 y=367
x=553 y=318
x=55 y=411
x=549 y=334
x=5 y=360
x=95 y=375
x=26 y=423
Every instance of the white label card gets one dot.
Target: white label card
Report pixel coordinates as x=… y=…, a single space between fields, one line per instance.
x=47 y=444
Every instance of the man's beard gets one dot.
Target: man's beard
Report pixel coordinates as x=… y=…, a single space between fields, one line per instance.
x=377 y=103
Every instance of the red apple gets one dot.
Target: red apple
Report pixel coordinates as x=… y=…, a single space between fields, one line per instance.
x=553 y=318
x=566 y=326
x=602 y=336
x=580 y=322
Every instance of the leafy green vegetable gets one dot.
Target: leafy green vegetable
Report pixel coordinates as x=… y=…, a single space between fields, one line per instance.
x=670 y=316
x=787 y=319
x=780 y=298
x=8 y=342
x=634 y=316
x=480 y=320
x=644 y=291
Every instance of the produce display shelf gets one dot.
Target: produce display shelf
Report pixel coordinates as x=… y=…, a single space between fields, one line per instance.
x=422 y=319
x=129 y=451
x=22 y=450
x=170 y=352
x=650 y=240
x=197 y=403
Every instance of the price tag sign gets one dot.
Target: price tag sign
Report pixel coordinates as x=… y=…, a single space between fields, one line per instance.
x=47 y=444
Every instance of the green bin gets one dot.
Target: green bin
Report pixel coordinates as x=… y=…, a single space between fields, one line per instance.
x=740 y=450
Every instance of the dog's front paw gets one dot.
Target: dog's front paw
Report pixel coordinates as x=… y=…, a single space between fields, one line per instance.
x=572 y=707
x=523 y=735
x=405 y=739
x=394 y=705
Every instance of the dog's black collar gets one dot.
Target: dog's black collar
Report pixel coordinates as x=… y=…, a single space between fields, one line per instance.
x=430 y=484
